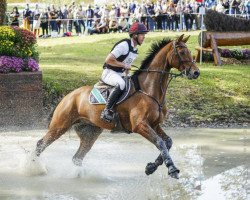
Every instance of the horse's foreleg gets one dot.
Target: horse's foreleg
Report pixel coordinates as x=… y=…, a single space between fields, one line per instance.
x=152 y=166
x=146 y=131
x=88 y=134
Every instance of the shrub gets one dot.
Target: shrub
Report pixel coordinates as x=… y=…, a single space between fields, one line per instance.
x=18 y=50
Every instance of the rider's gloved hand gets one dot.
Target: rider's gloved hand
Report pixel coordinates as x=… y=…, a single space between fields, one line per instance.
x=127 y=67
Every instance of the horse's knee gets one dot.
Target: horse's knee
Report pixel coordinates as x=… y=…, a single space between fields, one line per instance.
x=169 y=142
x=160 y=144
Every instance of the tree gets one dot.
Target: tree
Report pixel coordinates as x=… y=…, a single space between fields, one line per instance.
x=3 y=7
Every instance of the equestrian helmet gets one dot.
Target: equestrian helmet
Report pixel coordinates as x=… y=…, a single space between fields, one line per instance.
x=137 y=28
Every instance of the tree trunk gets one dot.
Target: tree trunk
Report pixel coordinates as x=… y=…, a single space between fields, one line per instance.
x=3 y=7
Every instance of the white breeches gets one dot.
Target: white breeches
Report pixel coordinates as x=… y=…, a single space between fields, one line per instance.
x=113 y=78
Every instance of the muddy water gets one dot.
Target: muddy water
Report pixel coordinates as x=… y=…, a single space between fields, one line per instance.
x=214 y=164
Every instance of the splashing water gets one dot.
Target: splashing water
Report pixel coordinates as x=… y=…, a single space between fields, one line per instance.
x=114 y=168
x=31 y=165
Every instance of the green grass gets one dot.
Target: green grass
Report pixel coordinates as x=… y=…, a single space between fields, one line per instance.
x=220 y=93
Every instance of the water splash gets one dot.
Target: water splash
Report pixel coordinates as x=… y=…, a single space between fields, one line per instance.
x=31 y=165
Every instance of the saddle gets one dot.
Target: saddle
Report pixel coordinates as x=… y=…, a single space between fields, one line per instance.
x=101 y=91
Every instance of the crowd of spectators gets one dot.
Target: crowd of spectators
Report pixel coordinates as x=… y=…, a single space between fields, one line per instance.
x=162 y=15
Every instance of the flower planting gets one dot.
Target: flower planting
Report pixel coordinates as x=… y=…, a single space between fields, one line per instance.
x=18 y=50
x=239 y=54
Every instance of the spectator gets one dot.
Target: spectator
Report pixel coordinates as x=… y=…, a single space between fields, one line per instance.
x=138 y=12
x=75 y=21
x=65 y=13
x=235 y=7
x=188 y=18
x=164 y=16
x=113 y=13
x=113 y=26
x=93 y=29
x=70 y=19
x=125 y=11
x=37 y=21
x=27 y=17
x=171 y=16
x=220 y=8
x=247 y=6
x=89 y=16
x=226 y=6
x=96 y=12
x=144 y=12
x=44 y=17
x=14 y=15
x=132 y=6
x=150 y=16
x=122 y=24
x=53 y=16
x=158 y=15
x=81 y=17
x=59 y=20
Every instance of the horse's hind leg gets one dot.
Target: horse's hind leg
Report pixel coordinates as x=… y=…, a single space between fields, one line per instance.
x=88 y=134
x=60 y=123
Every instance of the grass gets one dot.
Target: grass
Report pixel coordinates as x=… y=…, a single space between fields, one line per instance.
x=221 y=94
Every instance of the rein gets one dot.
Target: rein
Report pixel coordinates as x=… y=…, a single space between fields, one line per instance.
x=171 y=76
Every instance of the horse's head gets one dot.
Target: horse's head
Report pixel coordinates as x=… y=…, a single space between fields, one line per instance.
x=180 y=58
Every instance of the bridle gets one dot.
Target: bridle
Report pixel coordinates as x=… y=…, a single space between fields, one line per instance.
x=165 y=71
x=186 y=70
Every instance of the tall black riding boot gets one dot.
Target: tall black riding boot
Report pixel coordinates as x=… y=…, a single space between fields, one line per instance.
x=107 y=114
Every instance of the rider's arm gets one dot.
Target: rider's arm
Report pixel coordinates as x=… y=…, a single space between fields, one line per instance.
x=111 y=60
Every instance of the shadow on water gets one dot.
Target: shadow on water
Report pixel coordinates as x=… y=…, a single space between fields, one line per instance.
x=214 y=165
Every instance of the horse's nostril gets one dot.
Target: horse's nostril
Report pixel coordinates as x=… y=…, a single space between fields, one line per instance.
x=197 y=73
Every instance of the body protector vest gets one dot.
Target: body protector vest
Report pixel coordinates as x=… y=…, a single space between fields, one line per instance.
x=127 y=58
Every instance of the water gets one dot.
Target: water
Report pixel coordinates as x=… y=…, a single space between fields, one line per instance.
x=214 y=164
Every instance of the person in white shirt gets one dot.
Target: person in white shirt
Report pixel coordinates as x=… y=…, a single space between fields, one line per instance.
x=120 y=59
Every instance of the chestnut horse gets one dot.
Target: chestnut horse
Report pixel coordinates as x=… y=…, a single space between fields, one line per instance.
x=141 y=113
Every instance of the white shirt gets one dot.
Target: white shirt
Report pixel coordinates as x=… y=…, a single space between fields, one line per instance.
x=123 y=49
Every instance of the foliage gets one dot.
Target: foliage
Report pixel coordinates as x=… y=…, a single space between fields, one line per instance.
x=18 y=50
x=17 y=42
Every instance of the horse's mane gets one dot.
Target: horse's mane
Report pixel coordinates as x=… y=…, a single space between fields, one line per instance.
x=154 y=49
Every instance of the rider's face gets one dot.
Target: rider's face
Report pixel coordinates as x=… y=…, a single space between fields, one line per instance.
x=141 y=38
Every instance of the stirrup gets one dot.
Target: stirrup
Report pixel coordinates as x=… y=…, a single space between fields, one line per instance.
x=107 y=115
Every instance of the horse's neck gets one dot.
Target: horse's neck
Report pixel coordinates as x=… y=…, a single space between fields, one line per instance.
x=154 y=83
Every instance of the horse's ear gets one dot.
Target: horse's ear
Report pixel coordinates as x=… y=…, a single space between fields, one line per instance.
x=180 y=38
x=185 y=39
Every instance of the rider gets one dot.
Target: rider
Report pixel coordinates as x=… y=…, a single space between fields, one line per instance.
x=120 y=59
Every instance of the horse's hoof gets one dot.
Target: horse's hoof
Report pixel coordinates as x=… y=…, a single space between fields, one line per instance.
x=77 y=162
x=173 y=172
x=175 y=175
x=150 y=168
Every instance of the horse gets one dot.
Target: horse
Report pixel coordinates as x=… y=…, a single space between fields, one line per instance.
x=142 y=112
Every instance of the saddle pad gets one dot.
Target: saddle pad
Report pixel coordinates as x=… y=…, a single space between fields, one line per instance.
x=99 y=95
